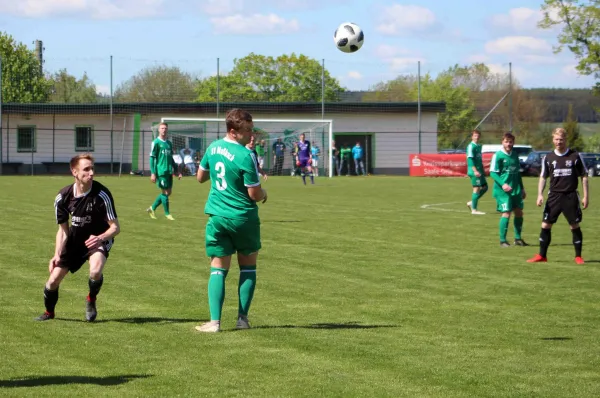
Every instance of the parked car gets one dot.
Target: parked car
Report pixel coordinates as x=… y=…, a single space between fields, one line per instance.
x=532 y=166
x=592 y=162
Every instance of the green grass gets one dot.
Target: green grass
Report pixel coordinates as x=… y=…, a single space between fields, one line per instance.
x=361 y=292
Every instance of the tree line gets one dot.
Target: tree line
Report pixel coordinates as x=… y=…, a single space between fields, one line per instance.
x=469 y=91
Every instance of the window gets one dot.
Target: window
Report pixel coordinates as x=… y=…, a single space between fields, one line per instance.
x=26 y=139
x=84 y=139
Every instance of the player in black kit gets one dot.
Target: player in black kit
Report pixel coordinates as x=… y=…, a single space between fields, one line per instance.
x=564 y=166
x=94 y=224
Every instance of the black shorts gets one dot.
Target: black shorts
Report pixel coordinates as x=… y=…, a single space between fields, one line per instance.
x=76 y=254
x=565 y=203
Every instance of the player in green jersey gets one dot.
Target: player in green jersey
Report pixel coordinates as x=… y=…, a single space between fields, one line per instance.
x=509 y=192
x=162 y=169
x=233 y=224
x=476 y=172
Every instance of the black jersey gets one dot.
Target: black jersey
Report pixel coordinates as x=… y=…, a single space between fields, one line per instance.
x=89 y=212
x=564 y=170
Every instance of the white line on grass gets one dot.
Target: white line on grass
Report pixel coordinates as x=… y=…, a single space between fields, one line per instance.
x=435 y=206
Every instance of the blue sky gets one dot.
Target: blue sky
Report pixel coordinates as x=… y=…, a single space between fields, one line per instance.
x=81 y=35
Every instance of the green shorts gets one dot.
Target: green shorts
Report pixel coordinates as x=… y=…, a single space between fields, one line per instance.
x=507 y=203
x=164 y=182
x=478 y=181
x=226 y=236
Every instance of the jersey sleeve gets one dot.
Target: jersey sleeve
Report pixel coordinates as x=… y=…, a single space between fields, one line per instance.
x=545 y=171
x=580 y=167
x=250 y=171
x=494 y=167
x=153 y=156
x=204 y=165
x=154 y=149
x=470 y=153
x=107 y=205
x=60 y=209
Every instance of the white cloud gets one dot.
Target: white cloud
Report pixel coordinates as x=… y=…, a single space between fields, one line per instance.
x=95 y=9
x=570 y=71
x=518 y=73
x=522 y=20
x=256 y=24
x=354 y=75
x=102 y=89
x=385 y=51
x=478 y=58
x=406 y=64
x=403 y=19
x=516 y=45
x=222 y=7
x=517 y=20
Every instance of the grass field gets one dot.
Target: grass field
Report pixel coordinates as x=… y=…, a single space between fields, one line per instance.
x=361 y=291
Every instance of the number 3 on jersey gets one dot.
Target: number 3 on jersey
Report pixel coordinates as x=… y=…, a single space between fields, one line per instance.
x=220 y=182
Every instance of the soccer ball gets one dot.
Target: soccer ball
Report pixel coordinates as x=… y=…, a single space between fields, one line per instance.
x=349 y=37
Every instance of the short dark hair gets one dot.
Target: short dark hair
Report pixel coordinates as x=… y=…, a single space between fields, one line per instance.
x=508 y=136
x=475 y=131
x=236 y=117
x=75 y=159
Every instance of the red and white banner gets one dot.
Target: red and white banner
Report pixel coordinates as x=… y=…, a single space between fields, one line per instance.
x=443 y=165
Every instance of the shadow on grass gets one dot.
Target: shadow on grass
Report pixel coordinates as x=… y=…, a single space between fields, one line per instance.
x=556 y=338
x=137 y=320
x=37 y=381
x=326 y=326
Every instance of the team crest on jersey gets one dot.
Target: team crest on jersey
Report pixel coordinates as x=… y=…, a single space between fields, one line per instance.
x=569 y=163
x=89 y=207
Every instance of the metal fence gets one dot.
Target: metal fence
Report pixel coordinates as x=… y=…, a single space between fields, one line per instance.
x=110 y=86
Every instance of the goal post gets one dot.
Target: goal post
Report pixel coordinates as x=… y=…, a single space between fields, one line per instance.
x=198 y=133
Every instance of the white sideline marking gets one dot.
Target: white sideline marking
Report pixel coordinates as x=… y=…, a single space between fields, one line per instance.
x=435 y=206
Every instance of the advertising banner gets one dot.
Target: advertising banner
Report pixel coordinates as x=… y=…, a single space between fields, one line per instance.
x=443 y=165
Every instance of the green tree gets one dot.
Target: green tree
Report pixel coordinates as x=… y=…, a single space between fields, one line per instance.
x=287 y=78
x=579 y=21
x=157 y=84
x=22 y=78
x=67 y=88
x=574 y=139
x=399 y=89
x=593 y=143
x=459 y=117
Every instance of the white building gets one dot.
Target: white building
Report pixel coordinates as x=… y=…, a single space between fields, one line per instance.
x=41 y=138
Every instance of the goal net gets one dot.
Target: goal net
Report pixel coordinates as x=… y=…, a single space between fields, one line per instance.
x=191 y=135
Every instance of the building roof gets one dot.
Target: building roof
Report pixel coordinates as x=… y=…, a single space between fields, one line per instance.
x=211 y=107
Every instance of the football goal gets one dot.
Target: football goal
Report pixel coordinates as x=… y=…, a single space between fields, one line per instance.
x=196 y=134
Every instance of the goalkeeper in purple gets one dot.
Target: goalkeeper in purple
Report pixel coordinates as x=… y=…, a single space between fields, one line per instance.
x=304 y=159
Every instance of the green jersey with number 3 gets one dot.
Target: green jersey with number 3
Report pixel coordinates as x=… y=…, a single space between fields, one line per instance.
x=506 y=169
x=232 y=169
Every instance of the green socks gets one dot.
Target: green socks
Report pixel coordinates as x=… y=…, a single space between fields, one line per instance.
x=216 y=292
x=165 y=203
x=474 y=199
x=518 y=227
x=503 y=228
x=246 y=288
x=157 y=202
x=164 y=199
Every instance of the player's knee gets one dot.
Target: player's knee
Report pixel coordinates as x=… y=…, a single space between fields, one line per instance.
x=574 y=226
x=52 y=284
